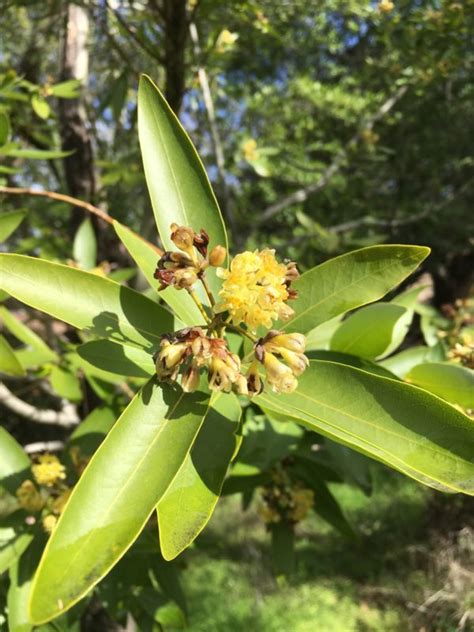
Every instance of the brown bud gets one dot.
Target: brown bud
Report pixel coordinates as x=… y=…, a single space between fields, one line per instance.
x=291 y=272
x=201 y=242
x=217 y=256
x=182 y=237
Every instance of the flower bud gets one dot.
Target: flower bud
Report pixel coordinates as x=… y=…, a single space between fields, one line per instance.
x=182 y=237
x=184 y=278
x=297 y=362
x=293 y=342
x=169 y=358
x=241 y=385
x=217 y=256
x=201 y=242
x=279 y=375
x=291 y=272
x=190 y=379
x=49 y=523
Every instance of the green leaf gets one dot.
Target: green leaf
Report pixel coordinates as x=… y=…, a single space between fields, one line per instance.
x=373 y=331
x=86 y=301
x=351 y=360
x=40 y=106
x=187 y=506
x=67 y=89
x=179 y=188
x=116 y=494
x=14 y=462
x=90 y=433
x=9 y=222
x=146 y=258
x=36 y=154
x=116 y=358
x=349 y=281
x=29 y=338
x=320 y=336
x=5 y=129
x=21 y=575
x=85 y=246
x=452 y=382
x=399 y=424
x=13 y=543
x=66 y=384
x=9 y=363
x=401 y=363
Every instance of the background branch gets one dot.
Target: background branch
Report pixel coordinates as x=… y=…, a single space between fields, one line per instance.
x=65 y=417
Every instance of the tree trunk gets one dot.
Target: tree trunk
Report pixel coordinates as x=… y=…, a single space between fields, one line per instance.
x=75 y=136
x=176 y=34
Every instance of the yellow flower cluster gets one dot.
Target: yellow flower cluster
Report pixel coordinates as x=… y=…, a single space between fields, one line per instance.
x=49 y=470
x=284 y=501
x=29 y=497
x=255 y=289
x=254 y=294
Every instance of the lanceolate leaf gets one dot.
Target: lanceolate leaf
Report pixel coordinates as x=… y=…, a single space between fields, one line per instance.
x=349 y=281
x=401 y=363
x=372 y=331
x=21 y=575
x=401 y=425
x=146 y=259
x=14 y=540
x=9 y=363
x=117 y=358
x=179 y=188
x=85 y=300
x=9 y=222
x=28 y=337
x=85 y=246
x=450 y=381
x=14 y=462
x=116 y=494
x=187 y=506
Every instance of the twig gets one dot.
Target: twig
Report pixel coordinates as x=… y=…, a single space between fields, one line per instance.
x=43 y=446
x=211 y=116
x=302 y=194
x=61 y=197
x=65 y=417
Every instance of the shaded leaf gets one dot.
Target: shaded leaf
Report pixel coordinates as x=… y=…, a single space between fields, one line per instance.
x=9 y=222
x=85 y=300
x=9 y=363
x=452 y=382
x=350 y=281
x=117 y=358
x=189 y=502
x=399 y=424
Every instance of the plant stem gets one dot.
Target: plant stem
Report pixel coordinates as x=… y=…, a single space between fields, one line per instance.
x=195 y=298
x=241 y=331
x=210 y=296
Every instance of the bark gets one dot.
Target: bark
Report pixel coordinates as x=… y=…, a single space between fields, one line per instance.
x=75 y=136
x=176 y=34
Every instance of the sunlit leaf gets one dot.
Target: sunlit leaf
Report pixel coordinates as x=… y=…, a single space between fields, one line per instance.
x=452 y=382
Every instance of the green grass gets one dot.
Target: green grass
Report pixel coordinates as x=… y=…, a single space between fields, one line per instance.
x=373 y=584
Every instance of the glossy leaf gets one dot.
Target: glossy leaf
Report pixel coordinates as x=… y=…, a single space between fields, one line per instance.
x=65 y=384
x=86 y=301
x=452 y=382
x=90 y=433
x=9 y=222
x=399 y=424
x=14 y=462
x=5 y=129
x=84 y=247
x=351 y=360
x=373 y=331
x=401 y=363
x=117 y=358
x=187 y=506
x=9 y=363
x=179 y=188
x=146 y=259
x=13 y=543
x=21 y=575
x=350 y=281
x=28 y=337
x=116 y=494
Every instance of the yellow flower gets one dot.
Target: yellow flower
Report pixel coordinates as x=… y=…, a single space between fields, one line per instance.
x=303 y=500
x=255 y=289
x=385 y=6
x=60 y=502
x=29 y=497
x=48 y=471
x=49 y=523
x=279 y=375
